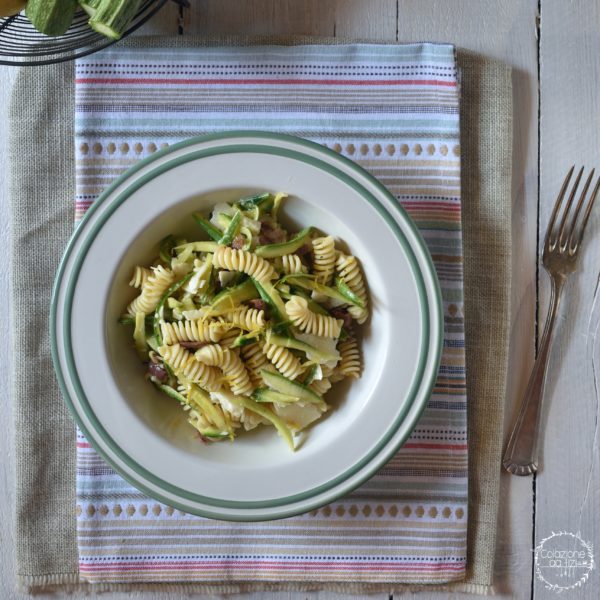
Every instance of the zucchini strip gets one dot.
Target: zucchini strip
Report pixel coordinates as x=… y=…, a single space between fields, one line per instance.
x=161 y=303
x=208 y=227
x=268 y=414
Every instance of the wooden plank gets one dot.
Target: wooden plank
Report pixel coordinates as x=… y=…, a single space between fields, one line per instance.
x=511 y=39
x=165 y=22
x=568 y=486
x=277 y=17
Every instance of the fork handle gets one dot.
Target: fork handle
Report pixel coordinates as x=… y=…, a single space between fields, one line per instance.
x=521 y=455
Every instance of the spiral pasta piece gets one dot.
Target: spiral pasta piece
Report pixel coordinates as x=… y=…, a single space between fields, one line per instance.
x=153 y=289
x=255 y=360
x=349 y=270
x=324 y=258
x=246 y=262
x=350 y=363
x=231 y=365
x=320 y=386
x=308 y=321
x=285 y=362
x=140 y=277
x=191 y=331
x=246 y=318
x=185 y=366
x=291 y=264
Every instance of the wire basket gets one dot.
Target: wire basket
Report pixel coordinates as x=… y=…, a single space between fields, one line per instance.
x=21 y=44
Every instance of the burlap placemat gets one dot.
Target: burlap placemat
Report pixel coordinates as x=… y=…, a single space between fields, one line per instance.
x=42 y=189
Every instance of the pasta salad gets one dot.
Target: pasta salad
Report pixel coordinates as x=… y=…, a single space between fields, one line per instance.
x=252 y=326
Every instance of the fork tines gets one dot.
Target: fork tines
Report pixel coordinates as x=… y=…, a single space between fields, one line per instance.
x=568 y=232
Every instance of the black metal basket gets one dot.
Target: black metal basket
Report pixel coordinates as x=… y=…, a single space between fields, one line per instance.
x=21 y=44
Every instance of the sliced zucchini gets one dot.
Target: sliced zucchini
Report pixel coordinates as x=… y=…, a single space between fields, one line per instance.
x=158 y=312
x=232 y=297
x=291 y=388
x=208 y=227
x=267 y=395
x=112 y=17
x=308 y=283
x=273 y=300
x=273 y=250
x=268 y=414
x=198 y=247
x=290 y=341
x=347 y=293
x=198 y=397
x=232 y=229
x=139 y=335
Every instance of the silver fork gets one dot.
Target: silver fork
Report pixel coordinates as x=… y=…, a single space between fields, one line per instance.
x=560 y=254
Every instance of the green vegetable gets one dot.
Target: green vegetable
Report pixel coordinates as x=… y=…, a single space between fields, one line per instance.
x=172 y=393
x=290 y=341
x=232 y=297
x=273 y=300
x=90 y=6
x=247 y=338
x=263 y=411
x=267 y=395
x=152 y=342
x=259 y=200
x=198 y=247
x=165 y=247
x=291 y=388
x=273 y=250
x=139 y=335
x=129 y=320
x=345 y=290
x=214 y=433
x=232 y=229
x=112 y=17
x=310 y=375
x=277 y=202
x=307 y=282
x=161 y=303
x=208 y=227
x=199 y=399
x=201 y=403
x=51 y=17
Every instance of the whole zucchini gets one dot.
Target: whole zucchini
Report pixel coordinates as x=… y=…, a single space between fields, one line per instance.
x=112 y=17
x=51 y=17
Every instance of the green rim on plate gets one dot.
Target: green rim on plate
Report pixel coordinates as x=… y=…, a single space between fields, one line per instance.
x=367 y=464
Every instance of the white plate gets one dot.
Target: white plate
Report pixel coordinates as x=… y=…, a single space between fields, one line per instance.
x=141 y=433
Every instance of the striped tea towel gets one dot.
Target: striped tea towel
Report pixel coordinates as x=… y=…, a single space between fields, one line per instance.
x=394 y=110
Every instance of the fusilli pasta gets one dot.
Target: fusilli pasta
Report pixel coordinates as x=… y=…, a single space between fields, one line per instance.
x=285 y=362
x=350 y=363
x=191 y=331
x=185 y=366
x=302 y=317
x=140 y=276
x=246 y=262
x=291 y=264
x=349 y=270
x=324 y=258
x=249 y=319
x=152 y=290
x=229 y=362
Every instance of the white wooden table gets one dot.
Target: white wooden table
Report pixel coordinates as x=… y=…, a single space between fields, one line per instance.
x=554 y=49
